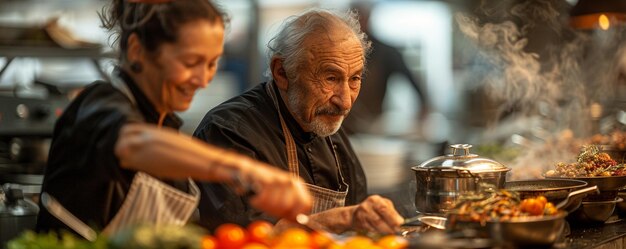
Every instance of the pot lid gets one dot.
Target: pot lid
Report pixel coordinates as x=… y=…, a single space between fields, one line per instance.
x=462 y=159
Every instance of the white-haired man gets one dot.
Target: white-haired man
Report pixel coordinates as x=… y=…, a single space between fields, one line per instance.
x=294 y=122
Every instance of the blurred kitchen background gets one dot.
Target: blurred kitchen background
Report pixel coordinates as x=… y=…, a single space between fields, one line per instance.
x=525 y=82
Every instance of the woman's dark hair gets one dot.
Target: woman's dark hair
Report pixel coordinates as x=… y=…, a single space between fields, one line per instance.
x=154 y=23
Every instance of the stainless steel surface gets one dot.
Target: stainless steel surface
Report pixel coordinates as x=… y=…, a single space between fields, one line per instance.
x=462 y=159
x=16 y=213
x=604 y=183
x=55 y=208
x=434 y=221
x=594 y=212
x=524 y=231
x=550 y=188
x=576 y=196
x=442 y=180
x=555 y=190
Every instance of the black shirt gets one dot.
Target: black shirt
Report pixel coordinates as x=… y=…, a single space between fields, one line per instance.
x=249 y=124
x=83 y=173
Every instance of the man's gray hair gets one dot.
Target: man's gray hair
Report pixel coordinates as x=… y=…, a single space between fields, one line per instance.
x=288 y=43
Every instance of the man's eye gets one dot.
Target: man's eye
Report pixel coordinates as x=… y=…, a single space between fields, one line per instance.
x=355 y=84
x=331 y=78
x=356 y=78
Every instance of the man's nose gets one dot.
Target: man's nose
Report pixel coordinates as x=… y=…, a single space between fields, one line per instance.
x=342 y=97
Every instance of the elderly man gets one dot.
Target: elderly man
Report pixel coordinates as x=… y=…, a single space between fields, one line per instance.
x=294 y=122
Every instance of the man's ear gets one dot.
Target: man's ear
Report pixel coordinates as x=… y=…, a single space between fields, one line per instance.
x=279 y=74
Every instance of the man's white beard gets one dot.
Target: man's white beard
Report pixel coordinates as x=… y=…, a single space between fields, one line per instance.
x=316 y=125
x=324 y=130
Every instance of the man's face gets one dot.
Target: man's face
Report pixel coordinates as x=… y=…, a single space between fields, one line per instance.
x=327 y=83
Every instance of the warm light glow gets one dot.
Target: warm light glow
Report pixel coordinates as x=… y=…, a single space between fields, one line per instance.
x=604 y=22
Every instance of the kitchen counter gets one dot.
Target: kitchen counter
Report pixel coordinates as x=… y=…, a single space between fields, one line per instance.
x=603 y=236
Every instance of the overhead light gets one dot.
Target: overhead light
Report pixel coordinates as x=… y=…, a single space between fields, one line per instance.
x=598 y=14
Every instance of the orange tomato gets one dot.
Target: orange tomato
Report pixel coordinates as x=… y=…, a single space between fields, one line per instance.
x=359 y=242
x=542 y=199
x=335 y=246
x=259 y=231
x=293 y=237
x=230 y=236
x=320 y=240
x=209 y=242
x=255 y=245
x=392 y=242
x=550 y=209
x=532 y=206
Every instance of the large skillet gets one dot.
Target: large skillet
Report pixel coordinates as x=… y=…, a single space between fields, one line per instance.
x=555 y=190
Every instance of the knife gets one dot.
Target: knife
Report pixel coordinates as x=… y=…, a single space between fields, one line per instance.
x=57 y=210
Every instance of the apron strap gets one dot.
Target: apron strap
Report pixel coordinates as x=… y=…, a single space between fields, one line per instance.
x=290 y=144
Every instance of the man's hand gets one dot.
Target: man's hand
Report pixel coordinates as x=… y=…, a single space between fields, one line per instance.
x=376 y=214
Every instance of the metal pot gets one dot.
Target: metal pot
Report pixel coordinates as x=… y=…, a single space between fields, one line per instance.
x=440 y=181
x=16 y=213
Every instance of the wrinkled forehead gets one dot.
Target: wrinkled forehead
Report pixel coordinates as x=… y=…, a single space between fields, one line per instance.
x=339 y=44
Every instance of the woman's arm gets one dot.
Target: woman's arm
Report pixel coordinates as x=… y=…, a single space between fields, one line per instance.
x=163 y=152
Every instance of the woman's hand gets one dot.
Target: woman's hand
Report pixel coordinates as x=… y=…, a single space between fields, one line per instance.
x=276 y=192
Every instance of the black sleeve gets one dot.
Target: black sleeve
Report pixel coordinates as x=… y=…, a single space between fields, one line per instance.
x=82 y=158
x=218 y=203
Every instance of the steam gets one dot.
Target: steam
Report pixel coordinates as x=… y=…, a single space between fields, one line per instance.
x=562 y=82
x=557 y=83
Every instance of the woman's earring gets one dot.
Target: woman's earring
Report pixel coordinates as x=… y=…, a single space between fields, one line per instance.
x=136 y=67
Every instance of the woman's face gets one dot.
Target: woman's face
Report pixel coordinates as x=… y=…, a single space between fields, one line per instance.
x=180 y=68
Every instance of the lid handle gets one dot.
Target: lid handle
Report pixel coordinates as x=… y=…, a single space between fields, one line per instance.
x=457 y=148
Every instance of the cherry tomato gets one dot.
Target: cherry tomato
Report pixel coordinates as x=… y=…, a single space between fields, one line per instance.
x=209 y=242
x=255 y=245
x=259 y=231
x=320 y=240
x=230 y=236
x=292 y=238
x=359 y=242
x=542 y=199
x=550 y=209
x=532 y=206
x=392 y=242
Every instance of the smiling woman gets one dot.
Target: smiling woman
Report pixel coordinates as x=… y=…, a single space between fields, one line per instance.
x=117 y=159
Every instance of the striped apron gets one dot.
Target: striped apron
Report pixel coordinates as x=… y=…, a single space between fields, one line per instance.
x=154 y=202
x=323 y=198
